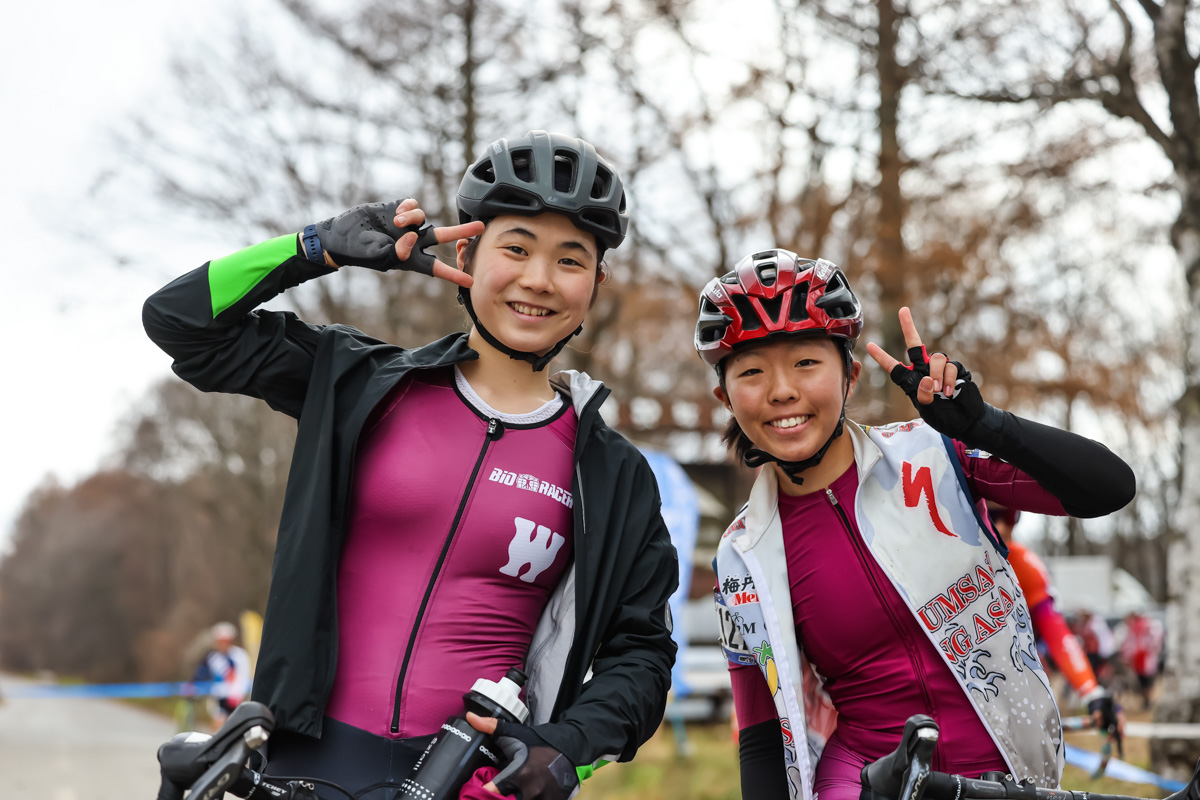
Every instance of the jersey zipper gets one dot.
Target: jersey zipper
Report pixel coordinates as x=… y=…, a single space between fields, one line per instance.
x=494 y=431
x=856 y=542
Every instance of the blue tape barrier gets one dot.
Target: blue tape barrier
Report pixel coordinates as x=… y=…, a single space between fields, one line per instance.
x=1119 y=770
x=177 y=689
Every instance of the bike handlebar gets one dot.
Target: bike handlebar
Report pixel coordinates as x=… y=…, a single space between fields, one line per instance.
x=905 y=774
x=208 y=766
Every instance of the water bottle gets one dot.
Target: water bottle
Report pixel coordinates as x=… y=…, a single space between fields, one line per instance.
x=458 y=749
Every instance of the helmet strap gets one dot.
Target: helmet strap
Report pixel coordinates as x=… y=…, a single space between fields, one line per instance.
x=539 y=361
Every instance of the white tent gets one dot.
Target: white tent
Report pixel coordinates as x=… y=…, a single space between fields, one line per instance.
x=1094 y=583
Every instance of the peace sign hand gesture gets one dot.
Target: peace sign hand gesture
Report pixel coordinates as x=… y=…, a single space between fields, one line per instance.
x=928 y=374
x=960 y=411
x=386 y=236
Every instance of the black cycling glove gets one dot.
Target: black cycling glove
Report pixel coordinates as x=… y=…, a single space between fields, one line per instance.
x=535 y=771
x=365 y=236
x=1108 y=709
x=963 y=416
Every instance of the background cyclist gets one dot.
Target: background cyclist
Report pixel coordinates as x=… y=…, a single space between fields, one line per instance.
x=452 y=510
x=1051 y=629
x=1140 y=640
x=863 y=550
x=228 y=665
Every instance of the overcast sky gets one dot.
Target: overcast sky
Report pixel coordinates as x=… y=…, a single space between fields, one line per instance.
x=73 y=353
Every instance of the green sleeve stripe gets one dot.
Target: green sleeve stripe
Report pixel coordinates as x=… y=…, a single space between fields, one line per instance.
x=232 y=277
x=587 y=770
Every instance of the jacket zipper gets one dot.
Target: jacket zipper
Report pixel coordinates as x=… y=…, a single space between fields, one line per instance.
x=856 y=542
x=494 y=431
x=582 y=507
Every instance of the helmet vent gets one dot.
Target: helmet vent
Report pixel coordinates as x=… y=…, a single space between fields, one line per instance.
x=602 y=185
x=799 y=309
x=772 y=307
x=768 y=272
x=729 y=279
x=712 y=324
x=566 y=171
x=746 y=312
x=522 y=164
x=485 y=172
x=600 y=218
x=838 y=301
x=514 y=199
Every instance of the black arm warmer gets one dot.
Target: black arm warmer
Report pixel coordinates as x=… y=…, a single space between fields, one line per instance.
x=1084 y=475
x=760 y=751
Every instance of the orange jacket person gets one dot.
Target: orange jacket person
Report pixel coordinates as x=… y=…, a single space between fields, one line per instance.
x=1051 y=628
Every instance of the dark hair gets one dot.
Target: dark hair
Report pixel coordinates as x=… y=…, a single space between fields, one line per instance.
x=734 y=438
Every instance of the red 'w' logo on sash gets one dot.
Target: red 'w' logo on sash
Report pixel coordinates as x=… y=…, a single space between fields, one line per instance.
x=914 y=487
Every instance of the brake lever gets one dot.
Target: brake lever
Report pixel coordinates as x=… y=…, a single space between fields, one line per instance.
x=900 y=774
x=912 y=784
x=219 y=777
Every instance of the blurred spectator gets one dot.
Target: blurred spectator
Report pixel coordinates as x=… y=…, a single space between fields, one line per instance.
x=229 y=666
x=1098 y=642
x=1052 y=630
x=1140 y=640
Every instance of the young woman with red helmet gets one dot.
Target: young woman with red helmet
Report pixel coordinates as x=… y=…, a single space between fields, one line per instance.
x=860 y=584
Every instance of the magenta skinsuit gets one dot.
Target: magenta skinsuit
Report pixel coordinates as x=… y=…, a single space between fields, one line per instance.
x=509 y=550
x=879 y=666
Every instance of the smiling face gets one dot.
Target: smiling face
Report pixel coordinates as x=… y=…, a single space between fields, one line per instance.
x=535 y=278
x=786 y=395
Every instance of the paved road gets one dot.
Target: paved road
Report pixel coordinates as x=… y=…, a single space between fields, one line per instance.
x=73 y=749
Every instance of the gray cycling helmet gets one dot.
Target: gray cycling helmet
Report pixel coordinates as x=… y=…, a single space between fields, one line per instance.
x=543 y=171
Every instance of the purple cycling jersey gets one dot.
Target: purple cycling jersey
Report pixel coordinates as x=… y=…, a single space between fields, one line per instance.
x=419 y=620
x=878 y=665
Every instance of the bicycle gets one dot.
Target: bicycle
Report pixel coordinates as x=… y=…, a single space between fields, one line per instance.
x=905 y=774
x=206 y=767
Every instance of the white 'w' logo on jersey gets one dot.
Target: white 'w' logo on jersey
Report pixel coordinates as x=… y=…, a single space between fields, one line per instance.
x=534 y=546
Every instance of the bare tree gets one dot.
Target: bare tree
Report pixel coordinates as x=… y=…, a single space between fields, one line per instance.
x=1131 y=69
x=84 y=578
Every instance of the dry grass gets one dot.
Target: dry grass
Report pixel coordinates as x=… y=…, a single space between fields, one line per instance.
x=710 y=772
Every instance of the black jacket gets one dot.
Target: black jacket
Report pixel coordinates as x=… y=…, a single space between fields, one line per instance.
x=330 y=378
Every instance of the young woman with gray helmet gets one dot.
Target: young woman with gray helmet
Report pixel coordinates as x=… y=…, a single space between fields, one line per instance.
x=861 y=584
x=453 y=510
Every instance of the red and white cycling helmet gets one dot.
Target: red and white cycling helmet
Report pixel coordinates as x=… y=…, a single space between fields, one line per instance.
x=775 y=292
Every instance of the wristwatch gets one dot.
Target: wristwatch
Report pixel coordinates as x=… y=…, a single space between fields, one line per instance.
x=312 y=245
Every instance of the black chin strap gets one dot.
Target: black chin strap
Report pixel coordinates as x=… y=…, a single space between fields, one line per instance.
x=539 y=362
x=755 y=458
